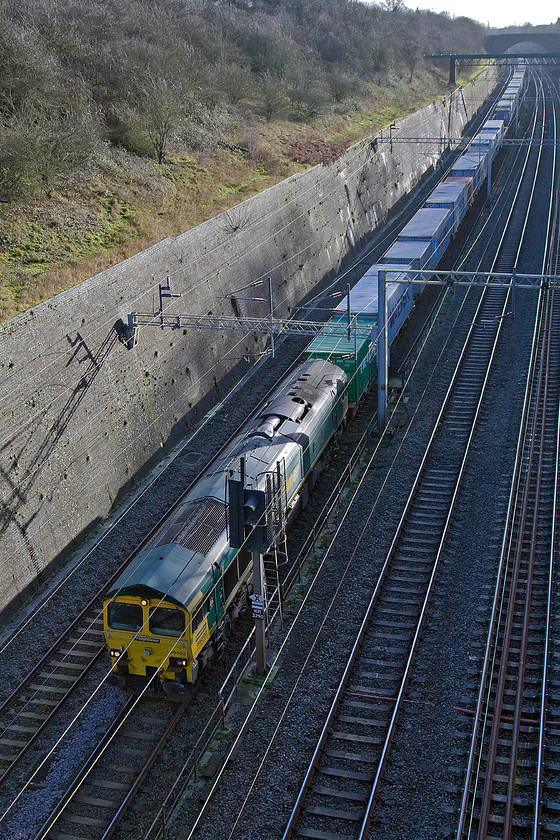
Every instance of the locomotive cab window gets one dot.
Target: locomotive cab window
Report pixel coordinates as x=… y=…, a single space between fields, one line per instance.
x=167 y=622
x=125 y=616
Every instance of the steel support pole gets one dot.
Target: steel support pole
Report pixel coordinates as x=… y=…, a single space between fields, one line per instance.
x=259 y=589
x=271 y=315
x=382 y=350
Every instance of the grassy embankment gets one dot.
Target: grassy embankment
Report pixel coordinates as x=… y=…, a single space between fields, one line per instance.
x=126 y=203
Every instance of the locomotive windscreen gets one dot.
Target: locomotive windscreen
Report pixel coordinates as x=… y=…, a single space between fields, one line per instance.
x=125 y=616
x=167 y=622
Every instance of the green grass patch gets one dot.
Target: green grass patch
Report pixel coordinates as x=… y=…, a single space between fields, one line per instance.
x=48 y=236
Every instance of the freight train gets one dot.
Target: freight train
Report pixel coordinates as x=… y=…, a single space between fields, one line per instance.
x=172 y=608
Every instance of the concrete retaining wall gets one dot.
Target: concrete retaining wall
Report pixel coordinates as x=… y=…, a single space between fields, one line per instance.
x=82 y=415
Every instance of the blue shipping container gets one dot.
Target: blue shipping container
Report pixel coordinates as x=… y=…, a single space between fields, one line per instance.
x=364 y=299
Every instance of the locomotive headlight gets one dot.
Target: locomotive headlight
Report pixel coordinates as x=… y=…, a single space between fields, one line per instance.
x=147 y=651
x=177 y=663
x=114 y=653
x=144 y=602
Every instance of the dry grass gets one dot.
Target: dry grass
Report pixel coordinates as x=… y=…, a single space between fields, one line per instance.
x=128 y=204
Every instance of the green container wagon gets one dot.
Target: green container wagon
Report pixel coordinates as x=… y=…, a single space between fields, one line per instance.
x=355 y=355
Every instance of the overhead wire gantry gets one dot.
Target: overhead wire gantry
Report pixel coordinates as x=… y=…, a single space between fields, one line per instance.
x=273 y=326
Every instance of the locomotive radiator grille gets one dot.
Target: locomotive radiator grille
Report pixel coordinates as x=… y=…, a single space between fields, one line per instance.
x=198 y=526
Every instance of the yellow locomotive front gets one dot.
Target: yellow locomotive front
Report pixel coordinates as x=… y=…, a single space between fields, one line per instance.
x=148 y=639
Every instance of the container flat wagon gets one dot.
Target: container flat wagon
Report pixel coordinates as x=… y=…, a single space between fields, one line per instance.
x=433 y=224
x=364 y=301
x=473 y=164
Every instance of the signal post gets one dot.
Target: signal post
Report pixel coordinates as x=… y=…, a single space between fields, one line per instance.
x=248 y=530
x=258 y=604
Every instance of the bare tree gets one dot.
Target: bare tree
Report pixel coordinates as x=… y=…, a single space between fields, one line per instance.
x=393 y=5
x=162 y=113
x=274 y=99
x=235 y=81
x=412 y=56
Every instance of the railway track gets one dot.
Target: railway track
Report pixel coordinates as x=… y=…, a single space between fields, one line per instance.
x=513 y=771
x=106 y=784
x=33 y=705
x=343 y=779
x=346 y=768
x=508 y=762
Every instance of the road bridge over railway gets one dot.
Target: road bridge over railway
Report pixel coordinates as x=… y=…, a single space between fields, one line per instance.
x=501 y=42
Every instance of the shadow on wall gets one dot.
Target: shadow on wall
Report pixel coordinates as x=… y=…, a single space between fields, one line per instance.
x=20 y=484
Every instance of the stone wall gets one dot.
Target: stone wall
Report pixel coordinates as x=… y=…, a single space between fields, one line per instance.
x=82 y=415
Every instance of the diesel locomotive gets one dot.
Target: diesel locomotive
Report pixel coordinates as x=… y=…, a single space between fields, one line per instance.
x=172 y=607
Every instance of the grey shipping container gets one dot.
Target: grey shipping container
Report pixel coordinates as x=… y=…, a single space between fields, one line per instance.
x=452 y=195
x=428 y=223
